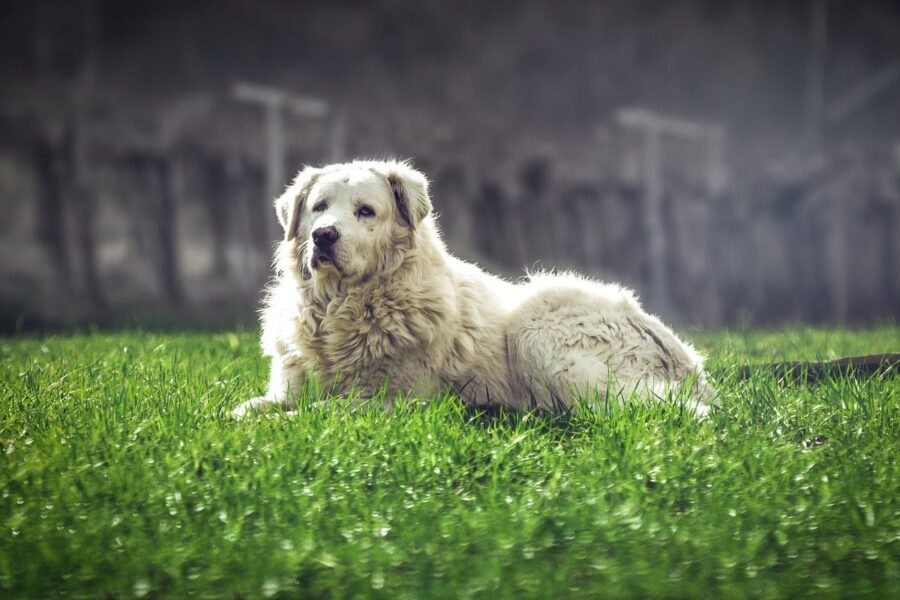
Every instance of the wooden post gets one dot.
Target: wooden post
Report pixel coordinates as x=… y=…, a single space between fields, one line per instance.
x=274 y=103
x=652 y=127
x=164 y=166
x=275 y=179
x=893 y=262
x=653 y=218
x=165 y=171
x=716 y=173
x=79 y=155
x=51 y=209
x=815 y=80
x=217 y=195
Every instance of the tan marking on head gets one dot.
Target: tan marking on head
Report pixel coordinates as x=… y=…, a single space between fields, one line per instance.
x=400 y=199
x=294 y=225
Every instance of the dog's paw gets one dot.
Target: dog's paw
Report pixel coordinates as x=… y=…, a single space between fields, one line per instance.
x=264 y=405
x=249 y=408
x=241 y=412
x=701 y=410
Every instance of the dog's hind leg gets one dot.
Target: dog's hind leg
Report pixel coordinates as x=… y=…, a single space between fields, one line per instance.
x=572 y=338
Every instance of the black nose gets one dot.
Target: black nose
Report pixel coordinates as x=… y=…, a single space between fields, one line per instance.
x=323 y=237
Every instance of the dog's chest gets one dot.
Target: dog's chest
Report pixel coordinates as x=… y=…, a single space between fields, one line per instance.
x=368 y=338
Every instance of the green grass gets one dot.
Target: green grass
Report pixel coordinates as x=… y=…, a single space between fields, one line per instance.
x=122 y=476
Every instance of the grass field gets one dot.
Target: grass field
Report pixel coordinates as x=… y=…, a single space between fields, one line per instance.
x=122 y=476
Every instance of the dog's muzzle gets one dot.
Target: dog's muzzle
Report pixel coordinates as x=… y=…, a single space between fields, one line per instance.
x=324 y=240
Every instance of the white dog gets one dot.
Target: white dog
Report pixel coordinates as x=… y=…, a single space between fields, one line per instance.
x=367 y=298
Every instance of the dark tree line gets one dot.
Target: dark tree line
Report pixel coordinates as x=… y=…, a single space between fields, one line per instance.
x=149 y=181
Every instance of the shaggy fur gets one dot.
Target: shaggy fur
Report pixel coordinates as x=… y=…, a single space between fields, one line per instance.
x=389 y=306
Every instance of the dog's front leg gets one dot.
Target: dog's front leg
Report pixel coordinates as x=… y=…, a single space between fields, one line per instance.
x=285 y=380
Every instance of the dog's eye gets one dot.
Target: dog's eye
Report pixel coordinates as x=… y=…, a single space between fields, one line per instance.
x=365 y=211
x=320 y=206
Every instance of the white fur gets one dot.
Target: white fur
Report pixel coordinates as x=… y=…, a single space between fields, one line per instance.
x=397 y=310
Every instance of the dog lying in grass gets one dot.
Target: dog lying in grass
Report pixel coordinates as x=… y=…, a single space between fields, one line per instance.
x=368 y=300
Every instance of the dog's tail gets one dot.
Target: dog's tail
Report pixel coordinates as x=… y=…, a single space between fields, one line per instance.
x=811 y=372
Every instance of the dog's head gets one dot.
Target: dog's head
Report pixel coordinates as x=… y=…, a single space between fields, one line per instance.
x=349 y=222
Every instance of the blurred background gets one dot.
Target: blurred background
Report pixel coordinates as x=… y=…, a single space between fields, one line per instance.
x=734 y=161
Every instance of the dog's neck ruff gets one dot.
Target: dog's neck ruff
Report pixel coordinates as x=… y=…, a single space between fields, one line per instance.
x=359 y=328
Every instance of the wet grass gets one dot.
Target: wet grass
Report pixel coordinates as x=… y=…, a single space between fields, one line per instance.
x=122 y=476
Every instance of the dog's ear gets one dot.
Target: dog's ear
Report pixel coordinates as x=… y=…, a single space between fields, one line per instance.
x=410 y=190
x=290 y=204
